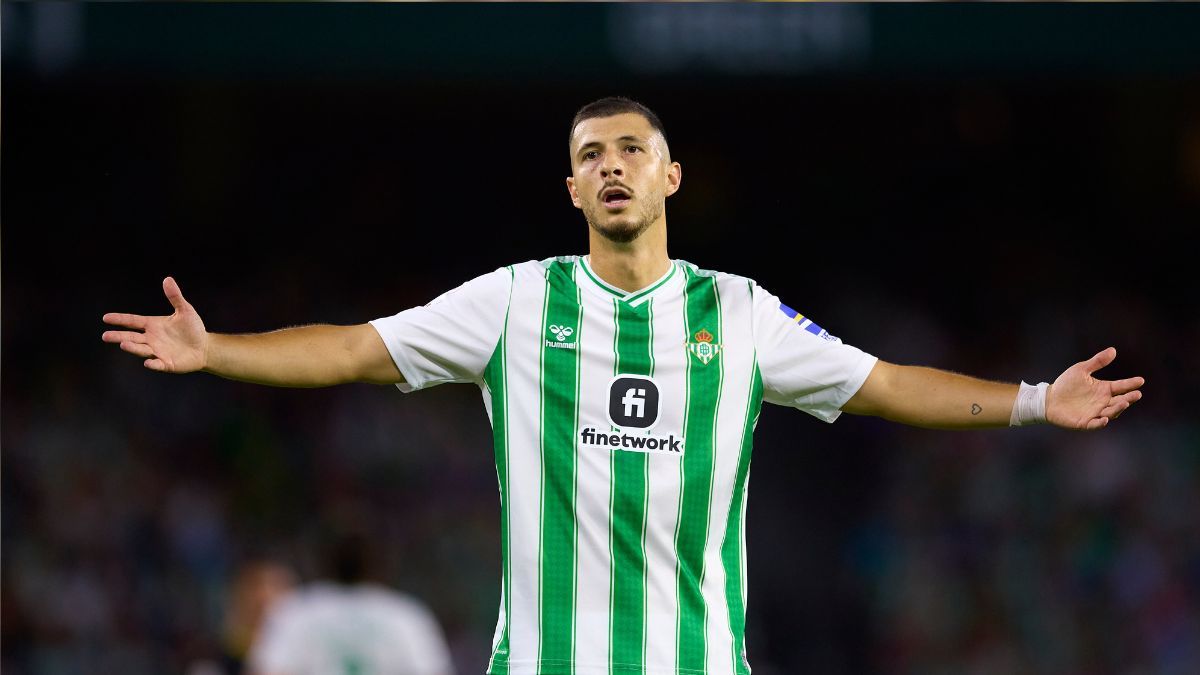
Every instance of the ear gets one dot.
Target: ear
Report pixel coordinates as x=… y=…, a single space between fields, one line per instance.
x=574 y=193
x=674 y=178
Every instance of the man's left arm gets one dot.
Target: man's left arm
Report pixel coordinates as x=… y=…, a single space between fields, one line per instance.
x=937 y=399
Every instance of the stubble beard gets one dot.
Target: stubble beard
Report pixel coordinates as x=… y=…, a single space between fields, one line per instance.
x=624 y=231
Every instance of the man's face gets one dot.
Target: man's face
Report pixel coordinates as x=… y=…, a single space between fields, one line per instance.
x=621 y=176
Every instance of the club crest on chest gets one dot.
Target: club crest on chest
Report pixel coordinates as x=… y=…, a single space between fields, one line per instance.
x=702 y=346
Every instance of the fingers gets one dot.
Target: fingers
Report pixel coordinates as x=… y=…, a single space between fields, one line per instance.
x=1127 y=385
x=137 y=349
x=1132 y=397
x=174 y=295
x=127 y=320
x=1120 y=404
x=137 y=321
x=1100 y=360
x=122 y=336
x=1115 y=409
x=155 y=364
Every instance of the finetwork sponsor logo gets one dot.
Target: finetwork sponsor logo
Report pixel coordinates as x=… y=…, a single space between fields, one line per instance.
x=633 y=401
x=562 y=336
x=591 y=437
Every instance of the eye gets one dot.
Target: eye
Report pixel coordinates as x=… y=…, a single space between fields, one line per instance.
x=632 y=149
x=590 y=155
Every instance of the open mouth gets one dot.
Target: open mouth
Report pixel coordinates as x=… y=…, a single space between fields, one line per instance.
x=615 y=198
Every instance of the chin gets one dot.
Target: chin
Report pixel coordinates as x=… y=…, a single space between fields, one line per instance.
x=622 y=227
x=620 y=224
x=621 y=232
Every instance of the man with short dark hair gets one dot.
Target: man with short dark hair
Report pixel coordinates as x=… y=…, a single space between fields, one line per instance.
x=623 y=389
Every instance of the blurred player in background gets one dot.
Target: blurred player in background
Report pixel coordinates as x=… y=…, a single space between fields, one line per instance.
x=623 y=389
x=349 y=624
x=256 y=587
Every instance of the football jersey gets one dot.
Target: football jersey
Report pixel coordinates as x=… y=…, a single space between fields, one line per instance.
x=363 y=629
x=622 y=427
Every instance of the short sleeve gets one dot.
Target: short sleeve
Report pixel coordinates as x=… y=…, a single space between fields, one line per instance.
x=452 y=338
x=802 y=365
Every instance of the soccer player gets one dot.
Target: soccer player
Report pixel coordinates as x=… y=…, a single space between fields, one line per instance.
x=347 y=623
x=623 y=389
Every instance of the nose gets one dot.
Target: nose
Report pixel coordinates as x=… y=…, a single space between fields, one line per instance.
x=610 y=167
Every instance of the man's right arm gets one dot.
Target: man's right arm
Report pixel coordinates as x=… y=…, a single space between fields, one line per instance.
x=306 y=356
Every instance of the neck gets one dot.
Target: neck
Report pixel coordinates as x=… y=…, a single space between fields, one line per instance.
x=632 y=266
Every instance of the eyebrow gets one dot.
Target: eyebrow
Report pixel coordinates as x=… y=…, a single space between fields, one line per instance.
x=635 y=139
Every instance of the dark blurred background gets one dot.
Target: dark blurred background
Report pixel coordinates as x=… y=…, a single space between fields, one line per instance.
x=1001 y=190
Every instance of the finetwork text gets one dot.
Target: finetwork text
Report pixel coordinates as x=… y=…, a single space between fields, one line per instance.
x=590 y=437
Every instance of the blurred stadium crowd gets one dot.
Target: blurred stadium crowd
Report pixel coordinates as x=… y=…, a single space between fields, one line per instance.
x=1003 y=223
x=122 y=542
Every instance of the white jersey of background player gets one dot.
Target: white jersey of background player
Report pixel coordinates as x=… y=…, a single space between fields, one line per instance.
x=361 y=629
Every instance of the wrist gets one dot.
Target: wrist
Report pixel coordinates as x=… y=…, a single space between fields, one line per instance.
x=1030 y=405
x=207 y=353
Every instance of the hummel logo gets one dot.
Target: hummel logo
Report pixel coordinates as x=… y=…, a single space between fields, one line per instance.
x=561 y=333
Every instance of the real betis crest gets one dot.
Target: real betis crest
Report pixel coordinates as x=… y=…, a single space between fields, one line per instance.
x=703 y=347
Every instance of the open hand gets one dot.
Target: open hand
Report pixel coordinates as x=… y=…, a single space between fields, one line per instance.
x=170 y=344
x=1077 y=400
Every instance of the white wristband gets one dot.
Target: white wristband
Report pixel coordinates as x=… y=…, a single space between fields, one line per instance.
x=1030 y=406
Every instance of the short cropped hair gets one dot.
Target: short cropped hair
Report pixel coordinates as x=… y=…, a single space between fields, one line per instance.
x=615 y=105
x=348 y=557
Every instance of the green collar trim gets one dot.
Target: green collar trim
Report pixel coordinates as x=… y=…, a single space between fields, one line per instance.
x=633 y=297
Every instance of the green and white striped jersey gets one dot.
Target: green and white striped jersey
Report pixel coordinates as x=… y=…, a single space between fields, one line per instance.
x=622 y=425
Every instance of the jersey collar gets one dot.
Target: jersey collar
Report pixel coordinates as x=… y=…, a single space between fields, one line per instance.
x=633 y=298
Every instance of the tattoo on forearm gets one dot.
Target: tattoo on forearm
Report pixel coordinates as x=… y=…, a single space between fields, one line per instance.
x=975 y=409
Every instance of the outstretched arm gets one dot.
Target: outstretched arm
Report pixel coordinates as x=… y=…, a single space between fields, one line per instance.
x=937 y=399
x=307 y=356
